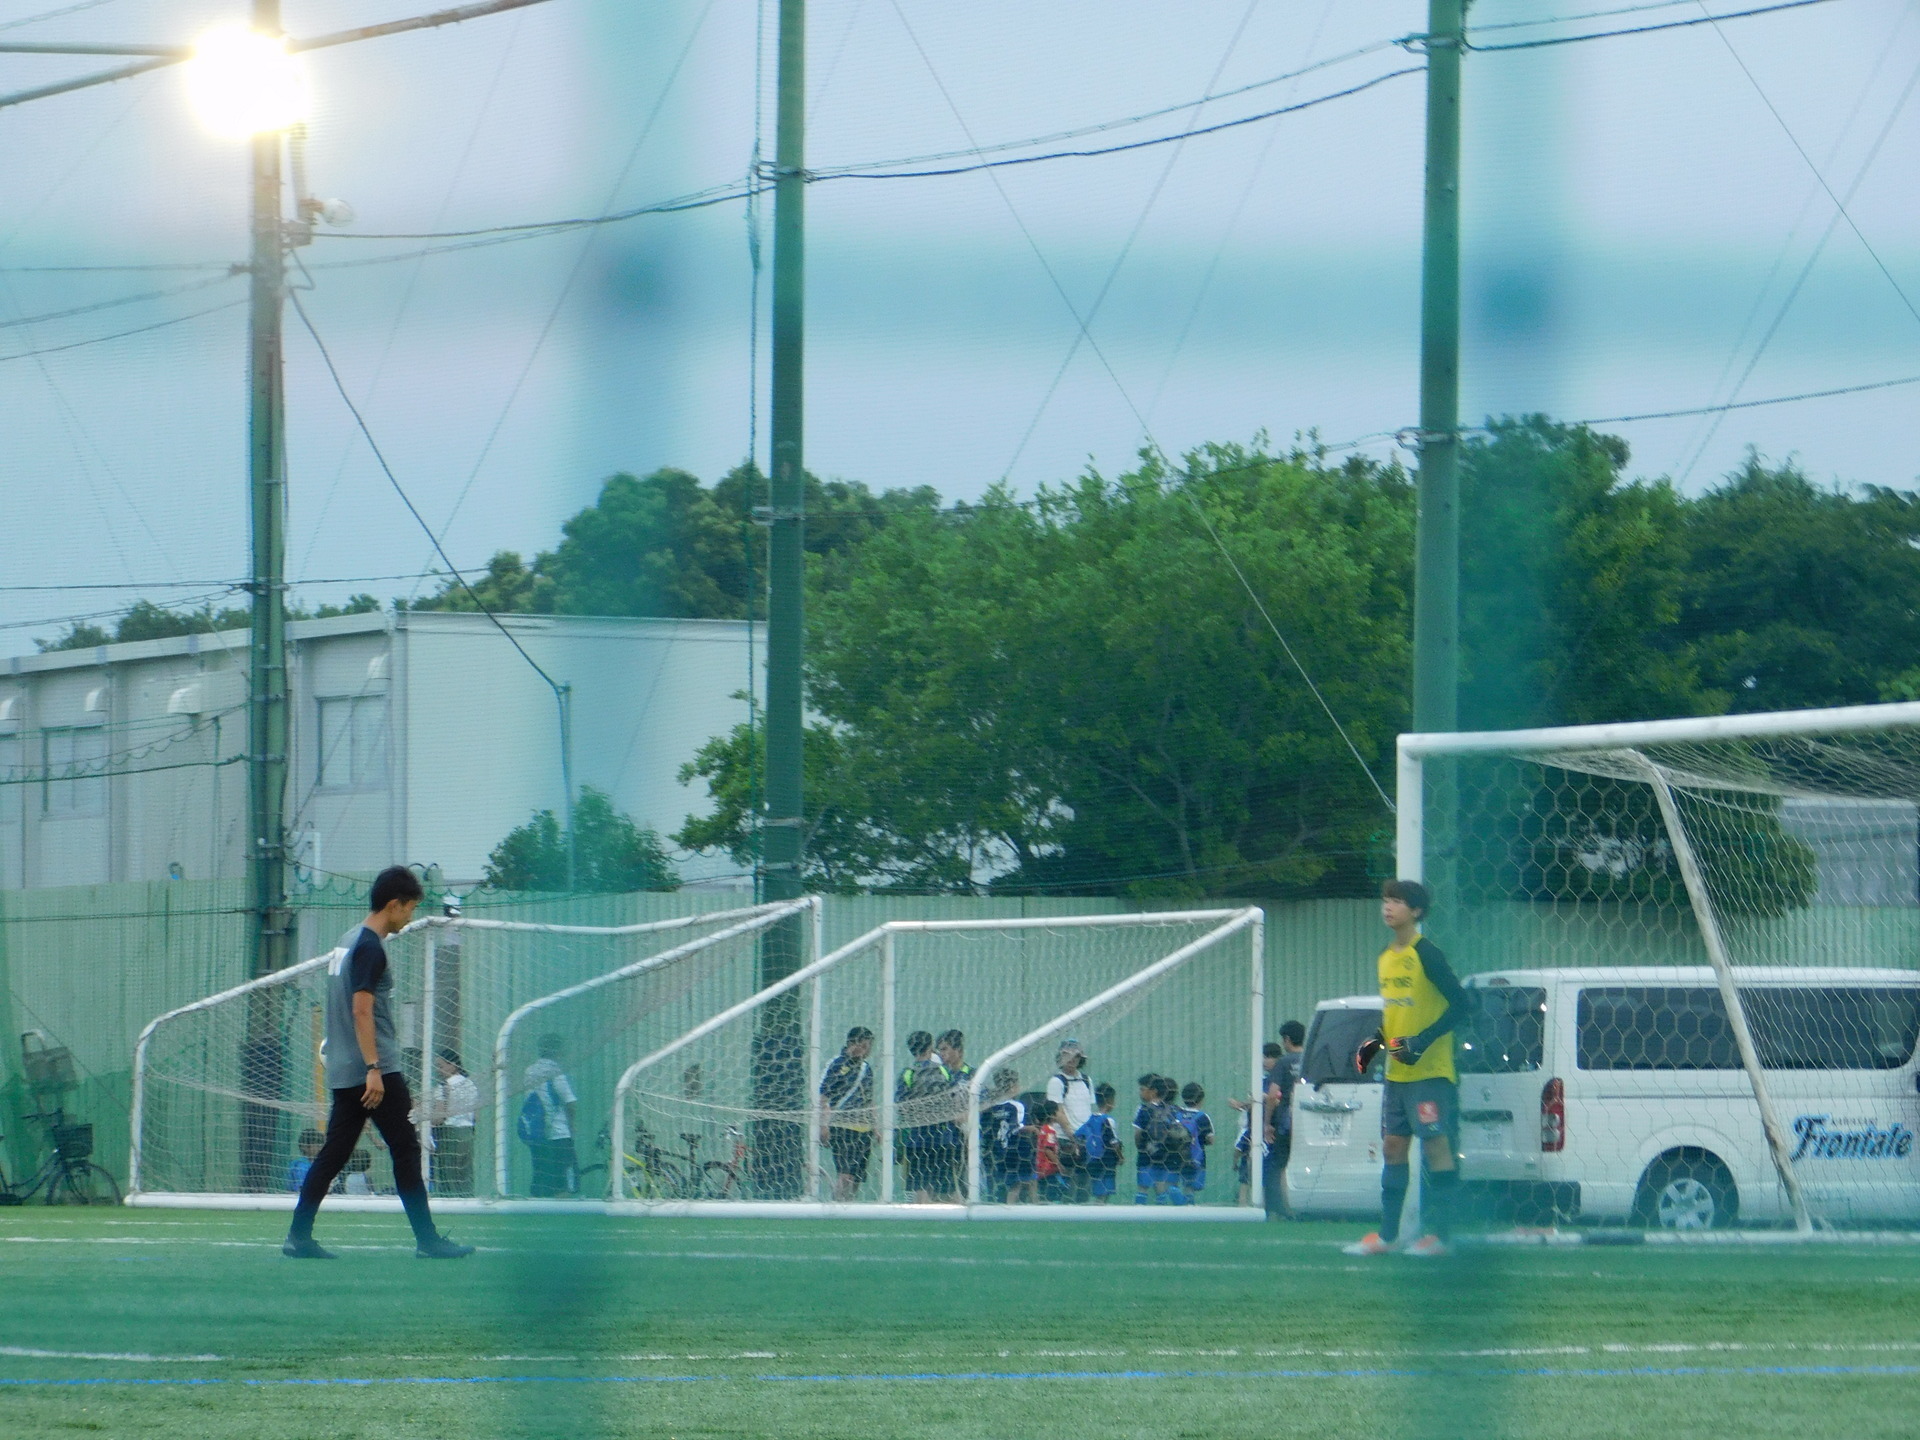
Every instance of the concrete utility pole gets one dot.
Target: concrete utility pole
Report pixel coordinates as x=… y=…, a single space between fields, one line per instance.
x=1436 y=573
x=785 y=819
x=267 y=729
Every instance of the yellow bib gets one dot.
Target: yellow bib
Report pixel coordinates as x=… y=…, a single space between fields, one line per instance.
x=1413 y=1002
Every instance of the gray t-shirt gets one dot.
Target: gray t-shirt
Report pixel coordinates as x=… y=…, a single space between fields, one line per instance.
x=360 y=964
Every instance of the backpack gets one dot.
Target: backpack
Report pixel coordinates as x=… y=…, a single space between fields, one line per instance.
x=1172 y=1141
x=532 y=1124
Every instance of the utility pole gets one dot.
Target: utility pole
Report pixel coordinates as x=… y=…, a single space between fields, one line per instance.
x=779 y=1147
x=785 y=818
x=267 y=481
x=1436 y=578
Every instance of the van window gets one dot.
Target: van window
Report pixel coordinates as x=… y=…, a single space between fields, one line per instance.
x=1649 y=1027
x=1332 y=1043
x=1844 y=1028
x=1795 y=1027
x=1504 y=1033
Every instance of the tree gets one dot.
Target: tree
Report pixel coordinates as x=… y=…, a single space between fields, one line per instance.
x=613 y=854
x=1572 y=583
x=1800 y=596
x=1078 y=694
x=664 y=545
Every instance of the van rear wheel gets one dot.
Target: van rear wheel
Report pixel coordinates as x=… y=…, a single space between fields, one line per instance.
x=1687 y=1190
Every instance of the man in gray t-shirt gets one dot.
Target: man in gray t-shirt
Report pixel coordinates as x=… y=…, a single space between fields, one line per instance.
x=363 y=1072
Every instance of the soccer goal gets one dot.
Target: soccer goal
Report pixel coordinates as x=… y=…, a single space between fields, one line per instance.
x=821 y=1092
x=228 y=1090
x=1695 y=957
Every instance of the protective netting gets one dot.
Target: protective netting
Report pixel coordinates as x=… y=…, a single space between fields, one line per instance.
x=1709 y=972
x=864 y=1078
x=230 y=1092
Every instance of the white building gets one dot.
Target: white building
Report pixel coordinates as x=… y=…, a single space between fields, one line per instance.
x=417 y=737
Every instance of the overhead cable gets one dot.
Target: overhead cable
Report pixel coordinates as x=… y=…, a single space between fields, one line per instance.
x=1645 y=29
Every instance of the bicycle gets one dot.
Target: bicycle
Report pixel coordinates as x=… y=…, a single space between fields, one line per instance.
x=68 y=1175
x=656 y=1173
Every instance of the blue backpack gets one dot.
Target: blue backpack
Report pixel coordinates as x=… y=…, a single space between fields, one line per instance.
x=532 y=1124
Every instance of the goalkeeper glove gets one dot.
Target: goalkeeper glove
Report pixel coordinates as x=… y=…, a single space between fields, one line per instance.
x=1369 y=1050
x=1406 y=1049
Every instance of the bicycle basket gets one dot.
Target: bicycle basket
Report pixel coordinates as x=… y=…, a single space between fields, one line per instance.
x=74 y=1142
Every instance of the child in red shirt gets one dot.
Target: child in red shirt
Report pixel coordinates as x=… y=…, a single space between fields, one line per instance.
x=1046 y=1150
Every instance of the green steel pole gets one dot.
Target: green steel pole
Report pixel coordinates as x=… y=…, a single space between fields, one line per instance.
x=1436 y=579
x=267 y=720
x=779 y=1147
x=785 y=608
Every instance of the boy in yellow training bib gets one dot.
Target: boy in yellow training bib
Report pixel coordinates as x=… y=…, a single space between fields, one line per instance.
x=1421 y=1001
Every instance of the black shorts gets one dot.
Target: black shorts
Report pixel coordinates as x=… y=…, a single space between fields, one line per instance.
x=851 y=1150
x=1281 y=1150
x=1427 y=1108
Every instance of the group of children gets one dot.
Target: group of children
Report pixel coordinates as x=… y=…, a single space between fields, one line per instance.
x=1067 y=1150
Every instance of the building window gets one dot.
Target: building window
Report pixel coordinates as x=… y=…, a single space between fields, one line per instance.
x=75 y=763
x=353 y=743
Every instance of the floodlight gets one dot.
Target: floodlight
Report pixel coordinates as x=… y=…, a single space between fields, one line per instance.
x=245 y=83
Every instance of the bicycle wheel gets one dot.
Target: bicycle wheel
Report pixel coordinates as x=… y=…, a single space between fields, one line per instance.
x=592 y=1180
x=84 y=1183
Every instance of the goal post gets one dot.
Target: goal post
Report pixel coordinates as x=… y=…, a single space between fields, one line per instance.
x=223 y=1087
x=603 y=1018
x=894 y=1134
x=1748 y=847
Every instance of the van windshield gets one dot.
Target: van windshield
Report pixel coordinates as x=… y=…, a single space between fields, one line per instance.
x=1795 y=1027
x=1332 y=1044
x=1504 y=1032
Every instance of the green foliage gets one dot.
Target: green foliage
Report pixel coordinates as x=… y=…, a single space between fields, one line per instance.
x=1079 y=695
x=613 y=854
x=145 y=620
x=667 y=546
x=1801 y=596
x=1572 y=582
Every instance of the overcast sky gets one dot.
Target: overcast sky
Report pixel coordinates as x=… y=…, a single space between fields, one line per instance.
x=1637 y=217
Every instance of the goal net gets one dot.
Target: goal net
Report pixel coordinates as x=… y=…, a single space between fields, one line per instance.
x=1700 y=976
x=230 y=1091
x=873 y=1075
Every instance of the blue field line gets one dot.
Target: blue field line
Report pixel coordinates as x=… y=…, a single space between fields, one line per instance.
x=978 y=1376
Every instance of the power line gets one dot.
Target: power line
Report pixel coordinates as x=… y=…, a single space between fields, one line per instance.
x=121 y=334
x=736 y=190
x=1754 y=404
x=117 y=301
x=1146 y=429
x=346 y=399
x=45 y=15
x=1647 y=29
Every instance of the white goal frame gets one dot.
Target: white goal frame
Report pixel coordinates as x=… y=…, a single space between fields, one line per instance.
x=432 y=925
x=1416 y=749
x=761 y=917
x=1226 y=923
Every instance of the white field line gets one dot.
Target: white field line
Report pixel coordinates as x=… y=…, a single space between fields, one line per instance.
x=21 y=1352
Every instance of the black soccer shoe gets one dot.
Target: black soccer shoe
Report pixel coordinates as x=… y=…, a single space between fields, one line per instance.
x=441 y=1248
x=305 y=1249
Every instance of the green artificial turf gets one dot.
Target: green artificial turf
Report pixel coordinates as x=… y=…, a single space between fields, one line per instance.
x=585 y=1327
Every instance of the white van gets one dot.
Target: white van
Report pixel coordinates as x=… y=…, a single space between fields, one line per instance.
x=1617 y=1094
x=1334 y=1168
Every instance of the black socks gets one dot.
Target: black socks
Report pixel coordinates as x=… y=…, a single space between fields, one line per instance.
x=1394 y=1180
